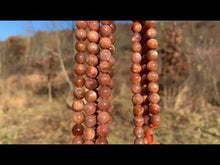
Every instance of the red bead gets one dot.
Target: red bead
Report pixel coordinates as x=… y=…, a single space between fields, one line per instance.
x=154 y=109
x=104 y=92
x=154 y=98
x=101 y=140
x=79 y=69
x=91 y=72
x=102 y=130
x=104 y=79
x=152 y=44
x=81 y=34
x=77 y=140
x=103 y=117
x=79 y=81
x=152 y=76
x=152 y=65
x=104 y=66
x=155 y=120
x=135 y=78
x=136 y=88
x=136 y=37
x=113 y=27
x=151 y=33
x=91 y=83
x=139 y=141
x=90 y=96
x=152 y=55
x=138 y=132
x=92 y=48
x=138 y=110
x=112 y=49
x=93 y=25
x=136 y=58
x=105 y=42
x=153 y=87
x=92 y=60
x=90 y=108
x=90 y=121
x=80 y=46
x=137 y=99
x=138 y=121
x=136 y=47
x=112 y=60
x=112 y=38
x=78 y=117
x=105 y=55
x=77 y=130
x=104 y=105
x=81 y=24
x=93 y=36
x=105 y=30
x=89 y=133
x=136 y=68
x=79 y=93
x=80 y=58
x=136 y=27
x=78 y=105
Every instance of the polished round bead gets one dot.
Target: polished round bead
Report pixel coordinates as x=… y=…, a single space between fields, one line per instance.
x=112 y=61
x=136 y=47
x=79 y=69
x=93 y=36
x=90 y=121
x=154 y=98
x=138 y=110
x=104 y=105
x=79 y=81
x=78 y=105
x=152 y=44
x=137 y=99
x=113 y=27
x=151 y=33
x=112 y=49
x=81 y=24
x=105 y=42
x=105 y=31
x=104 y=92
x=92 y=60
x=102 y=130
x=103 y=117
x=138 y=132
x=155 y=120
x=89 y=133
x=78 y=93
x=136 y=68
x=136 y=58
x=153 y=87
x=92 y=48
x=105 y=55
x=138 y=121
x=135 y=78
x=104 y=79
x=152 y=55
x=90 y=108
x=110 y=84
x=152 y=65
x=91 y=83
x=139 y=141
x=150 y=24
x=152 y=76
x=101 y=140
x=136 y=37
x=78 y=117
x=136 y=27
x=112 y=38
x=136 y=88
x=93 y=25
x=104 y=66
x=81 y=34
x=154 y=109
x=80 y=58
x=106 y=22
x=90 y=96
x=77 y=130
x=77 y=140
x=80 y=46
x=89 y=142
x=91 y=72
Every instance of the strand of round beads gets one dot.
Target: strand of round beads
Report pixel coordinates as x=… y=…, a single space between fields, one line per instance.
x=137 y=98
x=79 y=81
x=91 y=82
x=107 y=61
x=152 y=119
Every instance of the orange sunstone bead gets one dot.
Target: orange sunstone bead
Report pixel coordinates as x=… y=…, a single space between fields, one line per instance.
x=93 y=25
x=91 y=83
x=104 y=92
x=136 y=27
x=106 y=22
x=105 y=42
x=102 y=130
x=93 y=48
x=103 y=117
x=78 y=117
x=93 y=36
x=136 y=58
x=152 y=65
x=151 y=33
x=92 y=60
x=104 y=79
x=139 y=141
x=153 y=87
x=77 y=130
x=101 y=140
x=152 y=44
x=90 y=108
x=136 y=47
x=77 y=140
x=80 y=58
x=80 y=46
x=138 y=121
x=112 y=38
x=154 y=98
x=136 y=88
x=105 y=55
x=155 y=120
x=152 y=55
x=152 y=76
x=90 y=121
x=139 y=131
x=79 y=69
x=89 y=133
x=154 y=109
x=136 y=37
x=138 y=110
x=112 y=49
x=91 y=72
x=78 y=105
x=105 y=31
x=79 y=81
x=135 y=78
x=91 y=96
x=81 y=34
x=79 y=93
x=81 y=24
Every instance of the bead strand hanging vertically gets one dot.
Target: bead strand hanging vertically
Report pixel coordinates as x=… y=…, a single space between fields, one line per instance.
x=137 y=97
x=107 y=39
x=79 y=82
x=91 y=83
